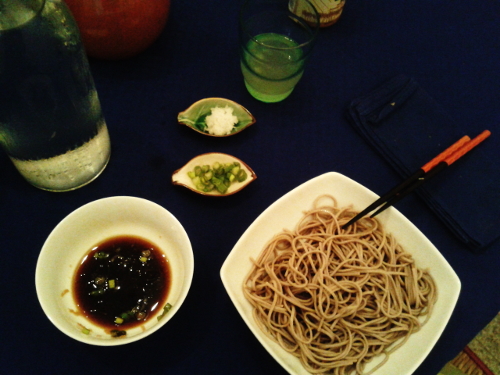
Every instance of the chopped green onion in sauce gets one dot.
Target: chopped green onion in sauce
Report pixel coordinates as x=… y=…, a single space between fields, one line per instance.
x=121 y=283
x=166 y=309
x=117 y=333
x=101 y=255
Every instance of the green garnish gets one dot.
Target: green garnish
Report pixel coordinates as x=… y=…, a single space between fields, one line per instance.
x=125 y=316
x=86 y=331
x=101 y=255
x=166 y=309
x=117 y=333
x=219 y=177
x=97 y=292
x=200 y=123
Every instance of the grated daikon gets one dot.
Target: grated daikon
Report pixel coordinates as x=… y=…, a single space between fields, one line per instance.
x=221 y=121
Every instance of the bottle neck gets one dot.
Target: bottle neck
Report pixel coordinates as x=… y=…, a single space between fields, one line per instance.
x=14 y=13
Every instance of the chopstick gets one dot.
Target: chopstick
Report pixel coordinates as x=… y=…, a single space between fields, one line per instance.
x=423 y=174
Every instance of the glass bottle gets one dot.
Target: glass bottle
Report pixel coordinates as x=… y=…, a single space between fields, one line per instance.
x=51 y=123
x=329 y=10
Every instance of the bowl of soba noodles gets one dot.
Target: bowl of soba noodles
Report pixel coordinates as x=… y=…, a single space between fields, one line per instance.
x=371 y=298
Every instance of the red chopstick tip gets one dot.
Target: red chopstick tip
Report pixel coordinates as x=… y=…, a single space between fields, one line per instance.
x=467 y=147
x=485 y=133
x=446 y=153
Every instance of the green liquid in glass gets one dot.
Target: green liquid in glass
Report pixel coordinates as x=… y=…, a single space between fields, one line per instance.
x=271 y=73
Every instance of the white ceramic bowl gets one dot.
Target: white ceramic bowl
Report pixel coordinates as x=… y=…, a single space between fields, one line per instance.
x=85 y=227
x=286 y=213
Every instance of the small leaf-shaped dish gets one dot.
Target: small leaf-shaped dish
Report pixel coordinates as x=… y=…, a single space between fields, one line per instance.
x=212 y=159
x=194 y=116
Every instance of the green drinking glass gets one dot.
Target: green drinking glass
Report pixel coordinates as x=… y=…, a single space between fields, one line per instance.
x=276 y=39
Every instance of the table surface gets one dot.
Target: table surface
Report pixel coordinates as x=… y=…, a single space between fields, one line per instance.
x=451 y=48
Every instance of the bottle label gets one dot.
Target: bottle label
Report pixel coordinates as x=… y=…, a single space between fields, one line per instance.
x=329 y=10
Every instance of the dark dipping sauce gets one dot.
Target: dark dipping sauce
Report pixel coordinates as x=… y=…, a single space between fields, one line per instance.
x=121 y=282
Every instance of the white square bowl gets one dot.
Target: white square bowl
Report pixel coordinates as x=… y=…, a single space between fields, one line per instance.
x=286 y=212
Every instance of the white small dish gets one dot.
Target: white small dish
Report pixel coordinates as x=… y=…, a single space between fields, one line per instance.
x=286 y=212
x=181 y=177
x=89 y=225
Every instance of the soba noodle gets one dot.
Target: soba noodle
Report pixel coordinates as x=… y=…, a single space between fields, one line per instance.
x=337 y=298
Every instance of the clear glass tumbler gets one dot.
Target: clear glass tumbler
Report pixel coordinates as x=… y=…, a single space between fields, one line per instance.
x=275 y=44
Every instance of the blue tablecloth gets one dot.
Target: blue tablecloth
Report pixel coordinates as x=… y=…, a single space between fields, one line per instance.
x=451 y=49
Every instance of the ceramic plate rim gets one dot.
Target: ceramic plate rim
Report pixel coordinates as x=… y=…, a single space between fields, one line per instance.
x=347 y=191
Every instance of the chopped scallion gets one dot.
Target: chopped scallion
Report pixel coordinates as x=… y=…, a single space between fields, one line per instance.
x=219 y=178
x=242 y=175
x=117 y=333
x=97 y=292
x=166 y=309
x=101 y=255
